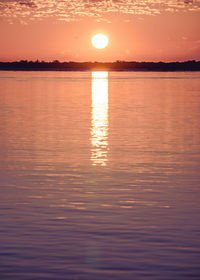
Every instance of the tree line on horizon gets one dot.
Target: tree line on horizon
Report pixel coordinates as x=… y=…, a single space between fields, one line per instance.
x=25 y=65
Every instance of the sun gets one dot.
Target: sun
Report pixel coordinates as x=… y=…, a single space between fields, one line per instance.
x=100 y=41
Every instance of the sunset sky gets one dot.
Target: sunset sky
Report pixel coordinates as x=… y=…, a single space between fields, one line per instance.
x=138 y=30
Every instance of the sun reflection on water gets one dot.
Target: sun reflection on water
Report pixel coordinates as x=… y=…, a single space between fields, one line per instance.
x=99 y=122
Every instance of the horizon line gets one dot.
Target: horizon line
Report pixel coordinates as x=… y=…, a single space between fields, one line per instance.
x=101 y=62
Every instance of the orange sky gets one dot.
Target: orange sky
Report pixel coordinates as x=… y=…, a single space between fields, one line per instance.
x=148 y=30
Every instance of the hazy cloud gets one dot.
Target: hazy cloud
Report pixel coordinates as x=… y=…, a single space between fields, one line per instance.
x=69 y=10
x=28 y=3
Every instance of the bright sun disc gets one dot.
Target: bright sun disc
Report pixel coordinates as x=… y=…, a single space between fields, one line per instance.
x=100 y=41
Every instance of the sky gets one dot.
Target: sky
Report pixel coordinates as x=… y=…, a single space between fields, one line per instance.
x=138 y=30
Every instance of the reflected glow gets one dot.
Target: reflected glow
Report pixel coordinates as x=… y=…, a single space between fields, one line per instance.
x=99 y=125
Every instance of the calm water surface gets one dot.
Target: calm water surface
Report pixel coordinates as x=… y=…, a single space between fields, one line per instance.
x=100 y=176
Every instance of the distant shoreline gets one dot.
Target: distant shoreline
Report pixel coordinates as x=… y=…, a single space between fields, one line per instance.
x=55 y=65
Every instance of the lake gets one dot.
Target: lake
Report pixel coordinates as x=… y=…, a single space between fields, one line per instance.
x=100 y=175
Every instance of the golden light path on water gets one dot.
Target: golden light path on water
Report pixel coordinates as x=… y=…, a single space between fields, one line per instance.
x=99 y=121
